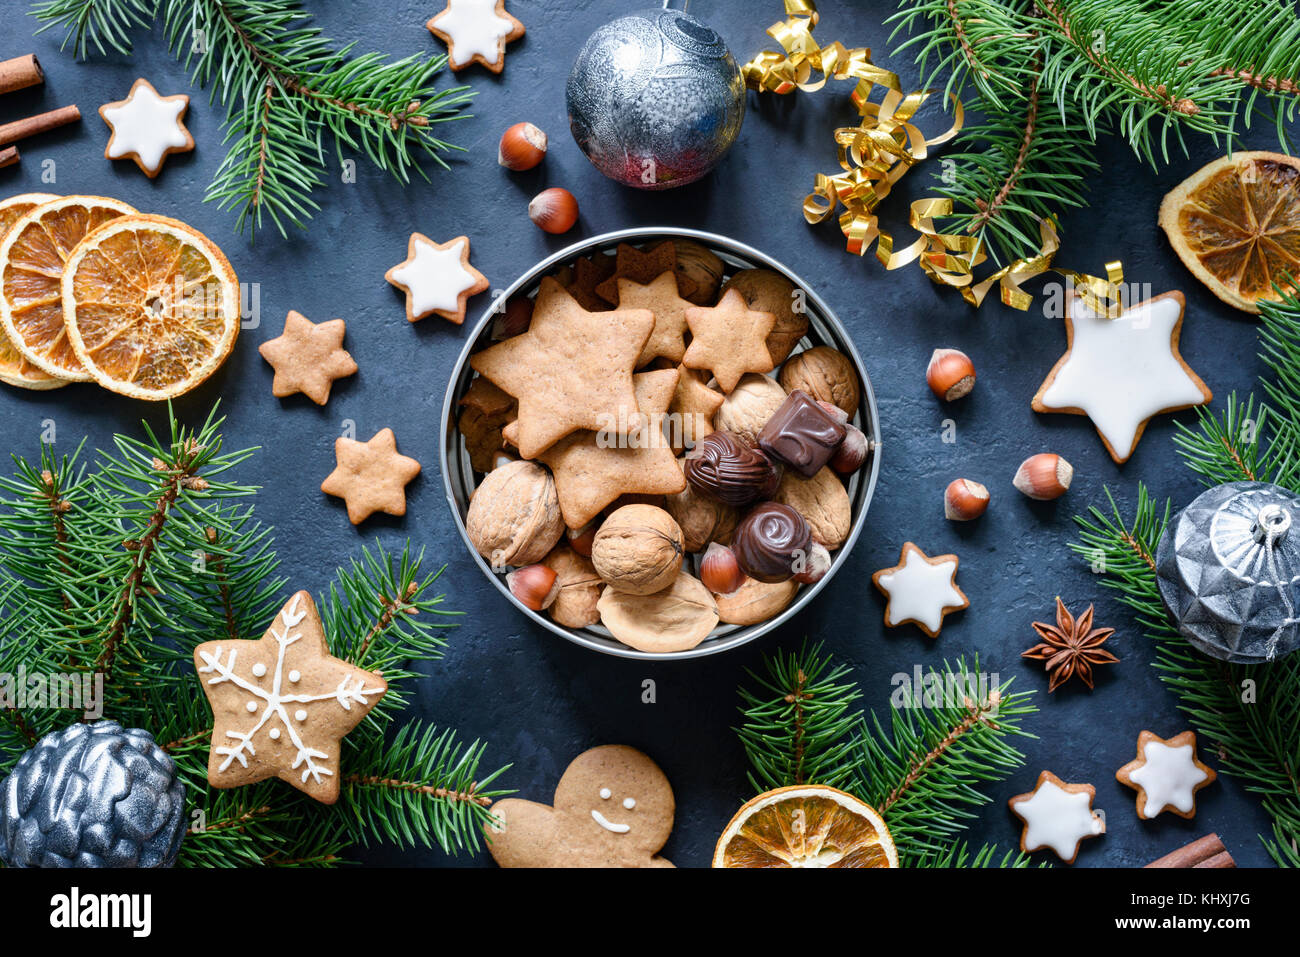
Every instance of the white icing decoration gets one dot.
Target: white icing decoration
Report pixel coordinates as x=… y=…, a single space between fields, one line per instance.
x=147 y=125
x=1058 y=819
x=605 y=794
x=609 y=825
x=920 y=591
x=295 y=676
x=435 y=277
x=475 y=30
x=259 y=670
x=629 y=803
x=250 y=707
x=345 y=695
x=1122 y=371
x=1169 y=777
x=274 y=734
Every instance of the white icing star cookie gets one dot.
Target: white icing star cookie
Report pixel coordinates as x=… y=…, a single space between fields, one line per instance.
x=1057 y=816
x=1120 y=372
x=920 y=589
x=476 y=31
x=1166 y=775
x=437 y=278
x=147 y=127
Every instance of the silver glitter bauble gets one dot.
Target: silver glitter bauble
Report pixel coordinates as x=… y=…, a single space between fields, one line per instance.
x=1228 y=567
x=655 y=99
x=92 y=795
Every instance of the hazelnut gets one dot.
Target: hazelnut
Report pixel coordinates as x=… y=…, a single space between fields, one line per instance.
x=1044 y=476
x=581 y=539
x=638 y=550
x=577 y=587
x=768 y=291
x=852 y=452
x=755 y=602
x=747 y=408
x=675 y=619
x=825 y=374
x=514 y=515
x=719 y=570
x=514 y=319
x=964 y=500
x=554 y=210
x=699 y=264
x=812 y=568
x=950 y=374
x=823 y=503
x=522 y=147
x=533 y=585
x=834 y=411
x=702 y=518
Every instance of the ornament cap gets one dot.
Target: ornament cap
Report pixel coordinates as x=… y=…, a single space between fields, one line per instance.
x=1272 y=523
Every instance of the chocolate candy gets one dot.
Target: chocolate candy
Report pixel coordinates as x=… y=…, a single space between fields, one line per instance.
x=723 y=467
x=801 y=434
x=770 y=540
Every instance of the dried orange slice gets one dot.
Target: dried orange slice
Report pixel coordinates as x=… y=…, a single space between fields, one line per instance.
x=32 y=255
x=151 y=306
x=1236 y=225
x=14 y=369
x=807 y=825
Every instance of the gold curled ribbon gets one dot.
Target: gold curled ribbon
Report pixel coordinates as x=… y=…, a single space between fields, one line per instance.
x=879 y=151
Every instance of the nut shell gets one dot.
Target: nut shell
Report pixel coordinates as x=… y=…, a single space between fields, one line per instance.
x=826 y=374
x=1044 y=476
x=748 y=407
x=950 y=374
x=522 y=147
x=638 y=550
x=702 y=518
x=554 y=210
x=675 y=619
x=756 y=601
x=579 y=588
x=702 y=267
x=823 y=502
x=768 y=291
x=514 y=515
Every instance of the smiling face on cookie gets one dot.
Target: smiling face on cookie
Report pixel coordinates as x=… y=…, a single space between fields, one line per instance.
x=617 y=797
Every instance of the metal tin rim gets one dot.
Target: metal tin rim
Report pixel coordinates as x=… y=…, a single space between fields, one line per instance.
x=868 y=407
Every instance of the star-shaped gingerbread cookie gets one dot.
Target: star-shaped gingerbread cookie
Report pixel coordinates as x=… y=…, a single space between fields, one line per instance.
x=571 y=370
x=1166 y=775
x=307 y=357
x=1120 y=372
x=281 y=705
x=147 y=127
x=587 y=275
x=643 y=266
x=692 y=409
x=729 y=339
x=370 y=476
x=1058 y=816
x=921 y=590
x=668 y=339
x=437 y=278
x=476 y=31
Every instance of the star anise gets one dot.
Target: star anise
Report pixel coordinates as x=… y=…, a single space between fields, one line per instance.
x=1070 y=647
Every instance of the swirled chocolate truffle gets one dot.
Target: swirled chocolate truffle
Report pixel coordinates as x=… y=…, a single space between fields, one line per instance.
x=801 y=434
x=770 y=540
x=725 y=468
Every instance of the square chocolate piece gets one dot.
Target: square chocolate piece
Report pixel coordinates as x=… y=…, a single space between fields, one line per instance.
x=801 y=434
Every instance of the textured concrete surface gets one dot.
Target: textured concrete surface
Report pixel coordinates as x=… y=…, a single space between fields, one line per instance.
x=536 y=699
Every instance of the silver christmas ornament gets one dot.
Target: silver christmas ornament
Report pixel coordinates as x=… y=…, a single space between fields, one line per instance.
x=92 y=795
x=1228 y=567
x=655 y=99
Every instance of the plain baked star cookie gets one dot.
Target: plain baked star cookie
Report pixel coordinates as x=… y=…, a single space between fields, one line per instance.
x=643 y=265
x=613 y=807
x=281 y=705
x=437 y=278
x=307 y=357
x=370 y=476
x=147 y=127
x=476 y=31
x=1120 y=372
x=729 y=339
x=921 y=590
x=1058 y=816
x=1166 y=775
x=668 y=340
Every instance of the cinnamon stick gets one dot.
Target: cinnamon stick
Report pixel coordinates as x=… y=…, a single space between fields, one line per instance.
x=1207 y=851
x=21 y=129
x=8 y=156
x=20 y=73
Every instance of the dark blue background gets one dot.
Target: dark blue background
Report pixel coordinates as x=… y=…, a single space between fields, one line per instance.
x=537 y=699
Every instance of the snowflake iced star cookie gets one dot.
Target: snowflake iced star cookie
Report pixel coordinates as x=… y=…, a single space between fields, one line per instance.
x=147 y=127
x=1166 y=775
x=476 y=31
x=1058 y=816
x=1120 y=372
x=282 y=705
x=920 y=590
x=613 y=808
x=437 y=278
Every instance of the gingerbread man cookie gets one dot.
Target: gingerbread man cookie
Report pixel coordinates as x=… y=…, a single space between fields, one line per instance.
x=147 y=127
x=613 y=808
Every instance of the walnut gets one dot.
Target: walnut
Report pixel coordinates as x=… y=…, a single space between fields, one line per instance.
x=702 y=518
x=638 y=550
x=824 y=374
x=698 y=263
x=768 y=291
x=579 y=588
x=746 y=410
x=755 y=601
x=514 y=515
x=823 y=503
x=675 y=619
